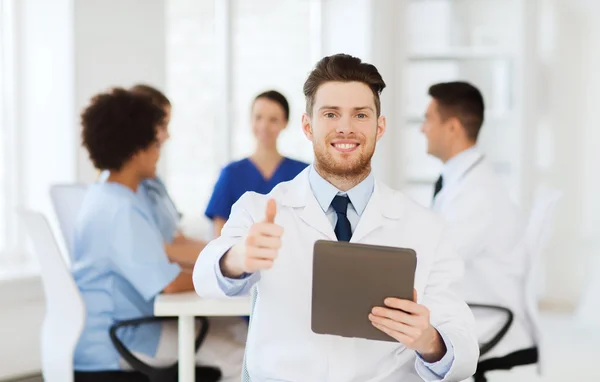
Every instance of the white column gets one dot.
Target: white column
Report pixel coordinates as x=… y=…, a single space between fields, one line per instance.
x=224 y=96
x=116 y=43
x=572 y=114
x=46 y=114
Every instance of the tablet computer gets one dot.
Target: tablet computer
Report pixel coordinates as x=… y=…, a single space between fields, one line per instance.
x=349 y=279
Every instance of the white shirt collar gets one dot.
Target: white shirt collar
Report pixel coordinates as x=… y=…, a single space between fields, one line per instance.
x=325 y=192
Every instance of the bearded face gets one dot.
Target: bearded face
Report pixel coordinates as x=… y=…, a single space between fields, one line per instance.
x=344 y=128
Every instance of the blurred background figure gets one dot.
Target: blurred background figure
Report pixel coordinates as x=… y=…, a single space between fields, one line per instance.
x=153 y=191
x=264 y=169
x=119 y=259
x=486 y=225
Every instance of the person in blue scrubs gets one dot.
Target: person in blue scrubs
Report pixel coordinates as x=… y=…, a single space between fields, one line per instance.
x=120 y=263
x=264 y=169
x=153 y=191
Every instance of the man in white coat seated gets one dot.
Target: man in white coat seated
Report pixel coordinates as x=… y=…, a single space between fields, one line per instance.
x=268 y=243
x=486 y=225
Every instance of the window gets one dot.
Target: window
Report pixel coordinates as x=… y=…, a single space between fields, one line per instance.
x=461 y=40
x=268 y=46
x=8 y=202
x=271 y=49
x=191 y=158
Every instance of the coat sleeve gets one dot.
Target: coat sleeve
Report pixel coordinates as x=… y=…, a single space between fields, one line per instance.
x=209 y=282
x=450 y=315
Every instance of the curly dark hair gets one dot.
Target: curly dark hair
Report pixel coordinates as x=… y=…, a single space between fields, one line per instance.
x=116 y=125
x=158 y=97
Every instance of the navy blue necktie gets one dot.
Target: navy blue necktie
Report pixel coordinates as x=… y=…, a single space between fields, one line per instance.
x=438 y=186
x=343 y=229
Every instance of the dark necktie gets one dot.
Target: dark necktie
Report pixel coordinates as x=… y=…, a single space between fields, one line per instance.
x=438 y=186
x=343 y=230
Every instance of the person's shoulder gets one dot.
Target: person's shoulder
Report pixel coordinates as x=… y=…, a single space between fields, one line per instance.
x=151 y=186
x=153 y=182
x=234 y=169
x=485 y=186
x=237 y=165
x=102 y=204
x=294 y=163
x=254 y=201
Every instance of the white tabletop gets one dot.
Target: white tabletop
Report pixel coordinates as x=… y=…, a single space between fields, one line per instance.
x=190 y=304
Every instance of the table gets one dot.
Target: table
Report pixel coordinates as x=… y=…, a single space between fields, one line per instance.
x=186 y=306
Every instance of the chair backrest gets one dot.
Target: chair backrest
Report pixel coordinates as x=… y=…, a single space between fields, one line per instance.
x=536 y=238
x=65 y=309
x=67 y=199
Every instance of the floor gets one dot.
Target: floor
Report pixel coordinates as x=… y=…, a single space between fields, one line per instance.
x=570 y=354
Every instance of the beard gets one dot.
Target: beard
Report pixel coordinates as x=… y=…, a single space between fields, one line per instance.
x=357 y=165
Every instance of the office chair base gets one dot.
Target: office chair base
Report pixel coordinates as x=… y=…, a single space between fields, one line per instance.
x=203 y=374
x=518 y=358
x=113 y=376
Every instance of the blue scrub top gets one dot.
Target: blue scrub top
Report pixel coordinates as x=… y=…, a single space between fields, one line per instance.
x=119 y=266
x=239 y=177
x=154 y=193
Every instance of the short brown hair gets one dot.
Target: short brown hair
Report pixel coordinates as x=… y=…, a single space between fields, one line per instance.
x=342 y=68
x=463 y=101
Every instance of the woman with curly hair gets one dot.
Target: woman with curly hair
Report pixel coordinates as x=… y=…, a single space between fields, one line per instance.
x=167 y=217
x=120 y=262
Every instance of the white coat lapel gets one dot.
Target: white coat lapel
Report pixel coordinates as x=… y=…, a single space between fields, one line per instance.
x=381 y=207
x=301 y=198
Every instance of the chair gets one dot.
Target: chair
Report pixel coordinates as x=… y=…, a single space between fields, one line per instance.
x=65 y=318
x=161 y=374
x=67 y=199
x=534 y=242
x=65 y=310
x=537 y=236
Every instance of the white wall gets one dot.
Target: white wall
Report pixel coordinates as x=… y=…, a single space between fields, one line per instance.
x=116 y=43
x=567 y=144
x=375 y=37
x=44 y=87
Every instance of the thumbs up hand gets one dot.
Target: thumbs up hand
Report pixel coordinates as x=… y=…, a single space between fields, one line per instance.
x=259 y=249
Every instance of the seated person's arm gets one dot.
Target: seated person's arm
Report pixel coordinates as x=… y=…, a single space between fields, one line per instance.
x=140 y=257
x=218 y=223
x=220 y=203
x=184 y=251
x=182 y=283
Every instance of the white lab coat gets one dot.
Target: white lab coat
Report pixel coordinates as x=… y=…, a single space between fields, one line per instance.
x=281 y=345
x=488 y=228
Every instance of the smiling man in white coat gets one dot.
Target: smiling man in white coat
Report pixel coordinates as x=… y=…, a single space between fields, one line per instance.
x=486 y=225
x=268 y=243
